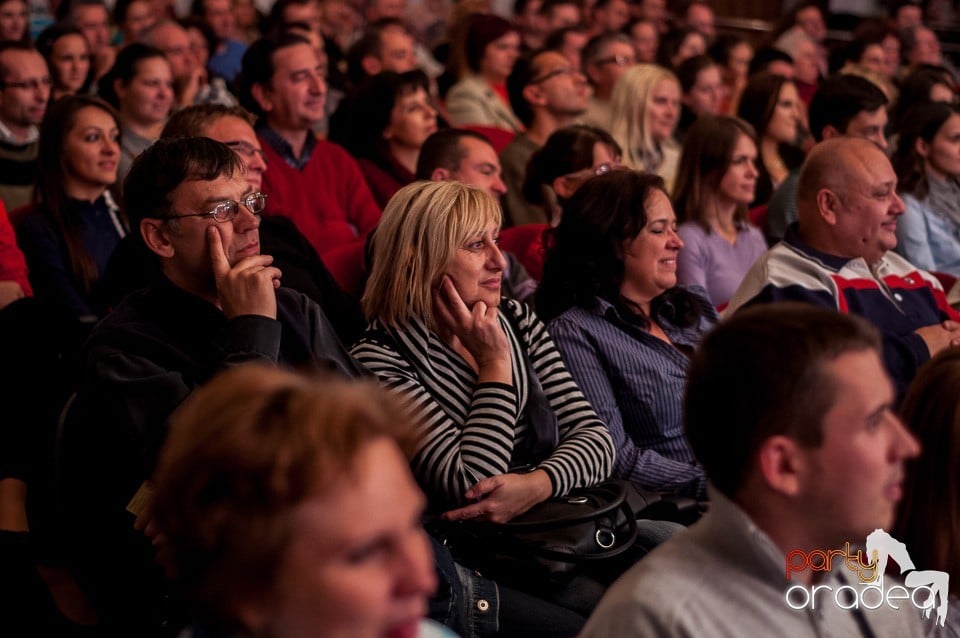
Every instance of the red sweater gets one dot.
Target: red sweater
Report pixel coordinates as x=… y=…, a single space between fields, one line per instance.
x=13 y=267
x=328 y=200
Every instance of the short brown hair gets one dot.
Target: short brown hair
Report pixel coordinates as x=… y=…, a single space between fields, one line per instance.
x=761 y=374
x=193 y=120
x=242 y=452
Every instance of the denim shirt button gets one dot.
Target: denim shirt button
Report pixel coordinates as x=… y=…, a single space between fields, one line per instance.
x=483 y=605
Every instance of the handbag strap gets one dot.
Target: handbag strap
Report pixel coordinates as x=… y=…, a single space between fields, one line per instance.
x=612 y=496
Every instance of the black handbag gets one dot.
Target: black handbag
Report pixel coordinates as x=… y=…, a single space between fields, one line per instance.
x=553 y=539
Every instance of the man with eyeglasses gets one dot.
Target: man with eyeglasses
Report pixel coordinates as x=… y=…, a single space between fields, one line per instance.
x=217 y=303
x=132 y=264
x=839 y=254
x=24 y=92
x=605 y=58
x=546 y=93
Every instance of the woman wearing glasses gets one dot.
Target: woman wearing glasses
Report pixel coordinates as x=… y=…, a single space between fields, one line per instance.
x=570 y=156
x=75 y=223
x=624 y=327
x=718 y=176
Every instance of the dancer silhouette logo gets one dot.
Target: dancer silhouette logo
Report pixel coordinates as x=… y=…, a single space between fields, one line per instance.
x=924 y=589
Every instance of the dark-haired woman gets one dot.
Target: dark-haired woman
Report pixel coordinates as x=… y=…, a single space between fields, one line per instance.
x=140 y=87
x=75 y=224
x=383 y=126
x=68 y=56
x=927 y=161
x=624 y=327
x=772 y=105
x=570 y=156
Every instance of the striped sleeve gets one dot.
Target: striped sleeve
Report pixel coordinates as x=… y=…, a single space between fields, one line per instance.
x=585 y=453
x=450 y=458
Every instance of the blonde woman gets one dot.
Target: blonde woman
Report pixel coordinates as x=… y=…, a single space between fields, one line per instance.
x=645 y=109
x=503 y=426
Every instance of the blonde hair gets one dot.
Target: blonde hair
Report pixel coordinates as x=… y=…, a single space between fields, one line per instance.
x=422 y=227
x=628 y=115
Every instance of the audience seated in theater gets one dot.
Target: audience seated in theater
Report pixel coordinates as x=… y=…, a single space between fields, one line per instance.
x=844 y=105
x=467 y=157
x=313 y=182
x=227 y=54
x=93 y=19
x=134 y=266
x=920 y=45
x=840 y=255
x=272 y=488
x=876 y=31
x=571 y=156
x=386 y=45
x=605 y=58
x=490 y=49
x=925 y=84
x=644 y=115
x=14 y=21
x=655 y=11
x=250 y=21
x=384 y=124
x=530 y=24
x=569 y=43
x=804 y=52
x=560 y=14
x=623 y=325
x=803 y=457
x=927 y=162
x=678 y=45
x=74 y=224
x=645 y=38
x=701 y=86
x=771 y=104
x=188 y=63
x=14 y=283
x=131 y=17
x=733 y=55
x=218 y=303
x=926 y=517
x=547 y=93
x=68 y=58
x=482 y=378
x=24 y=93
x=140 y=86
x=699 y=15
x=608 y=15
x=718 y=175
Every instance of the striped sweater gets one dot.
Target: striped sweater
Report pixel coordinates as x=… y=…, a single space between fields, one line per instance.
x=469 y=431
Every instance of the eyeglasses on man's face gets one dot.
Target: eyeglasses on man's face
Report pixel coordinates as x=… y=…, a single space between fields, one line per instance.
x=246 y=149
x=228 y=211
x=564 y=70
x=619 y=60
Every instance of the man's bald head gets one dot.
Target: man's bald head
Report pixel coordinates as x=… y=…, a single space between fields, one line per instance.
x=846 y=199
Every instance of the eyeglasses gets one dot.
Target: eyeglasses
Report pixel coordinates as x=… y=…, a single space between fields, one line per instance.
x=228 y=211
x=32 y=84
x=619 y=60
x=246 y=149
x=595 y=171
x=564 y=70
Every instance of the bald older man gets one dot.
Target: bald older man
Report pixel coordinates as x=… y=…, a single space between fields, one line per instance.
x=839 y=255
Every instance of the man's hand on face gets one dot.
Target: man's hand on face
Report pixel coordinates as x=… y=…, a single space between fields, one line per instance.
x=247 y=288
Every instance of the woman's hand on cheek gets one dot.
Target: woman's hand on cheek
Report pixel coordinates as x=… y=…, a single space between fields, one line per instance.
x=478 y=329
